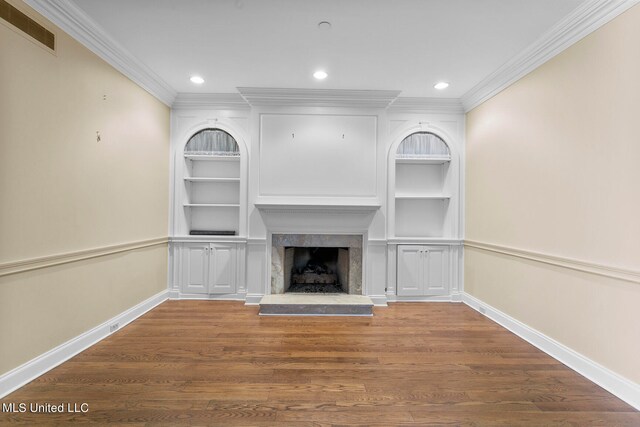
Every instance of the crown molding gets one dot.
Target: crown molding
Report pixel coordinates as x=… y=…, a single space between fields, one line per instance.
x=75 y=22
x=210 y=101
x=585 y=19
x=426 y=105
x=275 y=97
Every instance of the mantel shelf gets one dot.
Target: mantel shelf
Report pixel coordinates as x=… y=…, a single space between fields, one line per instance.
x=318 y=215
x=423 y=160
x=363 y=207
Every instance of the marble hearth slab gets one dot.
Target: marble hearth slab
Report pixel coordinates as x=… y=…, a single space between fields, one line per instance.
x=293 y=304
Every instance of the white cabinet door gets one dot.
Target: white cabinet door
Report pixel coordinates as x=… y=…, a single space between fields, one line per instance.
x=410 y=270
x=423 y=270
x=436 y=271
x=195 y=266
x=222 y=269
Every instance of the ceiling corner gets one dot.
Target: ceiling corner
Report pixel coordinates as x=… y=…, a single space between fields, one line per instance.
x=582 y=21
x=76 y=23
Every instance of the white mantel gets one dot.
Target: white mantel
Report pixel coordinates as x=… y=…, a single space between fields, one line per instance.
x=318 y=215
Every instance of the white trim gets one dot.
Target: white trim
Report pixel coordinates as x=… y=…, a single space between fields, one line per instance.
x=581 y=22
x=280 y=97
x=15 y=267
x=253 y=299
x=379 y=300
x=426 y=298
x=609 y=380
x=573 y=264
x=177 y=295
x=426 y=105
x=256 y=241
x=210 y=101
x=350 y=206
x=208 y=238
x=27 y=372
x=75 y=22
x=424 y=241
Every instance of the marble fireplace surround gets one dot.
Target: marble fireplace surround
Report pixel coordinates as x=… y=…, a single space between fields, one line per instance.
x=351 y=241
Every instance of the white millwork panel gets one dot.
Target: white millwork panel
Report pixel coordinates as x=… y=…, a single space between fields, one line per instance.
x=196 y=268
x=222 y=271
x=410 y=270
x=423 y=270
x=318 y=155
x=436 y=274
x=209 y=268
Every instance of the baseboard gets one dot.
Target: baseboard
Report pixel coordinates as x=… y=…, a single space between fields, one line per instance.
x=379 y=300
x=433 y=298
x=605 y=378
x=206 y=297
x=253 y=299
x=23 y=374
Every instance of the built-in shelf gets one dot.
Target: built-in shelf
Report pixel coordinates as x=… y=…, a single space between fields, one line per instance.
x=212 y=158
x=423 y=160
x=211 y=205
x=423 y=196
x=195 y=179
x=422 y=191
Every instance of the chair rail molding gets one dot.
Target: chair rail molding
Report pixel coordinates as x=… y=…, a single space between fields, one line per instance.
x=573 y=264
x=15 y=267
x=75 y=22
x=584 y=20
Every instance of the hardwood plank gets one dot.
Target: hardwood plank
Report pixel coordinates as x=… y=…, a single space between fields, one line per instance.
x=412 y=364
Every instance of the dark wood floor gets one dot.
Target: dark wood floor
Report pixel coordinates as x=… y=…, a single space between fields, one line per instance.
x=219 y=363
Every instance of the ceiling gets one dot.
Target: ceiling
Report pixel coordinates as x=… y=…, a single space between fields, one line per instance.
x=405 y=45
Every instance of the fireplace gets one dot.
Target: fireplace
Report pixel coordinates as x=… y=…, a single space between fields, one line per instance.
x=316 y=263
x=316 y=270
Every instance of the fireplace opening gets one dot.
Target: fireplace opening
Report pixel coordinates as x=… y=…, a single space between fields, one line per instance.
x=316 y=269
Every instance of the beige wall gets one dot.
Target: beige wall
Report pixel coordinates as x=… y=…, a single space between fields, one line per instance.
x=61 y=191
x=552 y=168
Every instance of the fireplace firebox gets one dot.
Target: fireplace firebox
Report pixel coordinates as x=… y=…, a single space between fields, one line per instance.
x=316 y=269
x=316 y=263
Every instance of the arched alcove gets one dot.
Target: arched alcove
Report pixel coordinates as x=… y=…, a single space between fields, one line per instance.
x=422 y=145
x=212 y=142
x=420 y=192
x=212 y=183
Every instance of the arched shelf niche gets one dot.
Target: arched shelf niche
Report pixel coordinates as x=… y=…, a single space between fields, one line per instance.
x=421 y=190
x=212 y=180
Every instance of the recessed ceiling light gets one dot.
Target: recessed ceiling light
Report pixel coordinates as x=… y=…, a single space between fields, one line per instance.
x=197 y=80
x=320 y=75
x=441 y=85
x=324 y=26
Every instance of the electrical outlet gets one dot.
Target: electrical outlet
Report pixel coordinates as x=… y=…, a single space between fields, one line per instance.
x=114 y=327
